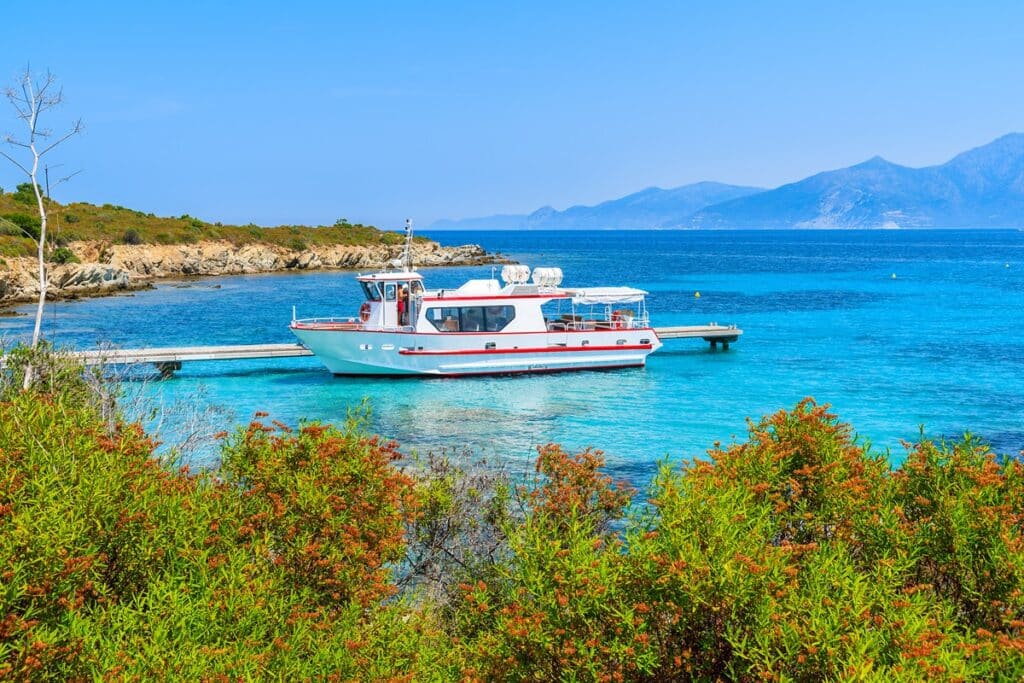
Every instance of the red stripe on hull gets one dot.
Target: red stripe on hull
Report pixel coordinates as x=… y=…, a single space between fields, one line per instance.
x=493 y=297
x=544 y=349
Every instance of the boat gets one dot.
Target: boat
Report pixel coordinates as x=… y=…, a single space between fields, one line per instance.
x=529 y=323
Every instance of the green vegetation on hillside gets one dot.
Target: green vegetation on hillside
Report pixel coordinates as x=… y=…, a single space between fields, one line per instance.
x=118 y=225
x=318 y=553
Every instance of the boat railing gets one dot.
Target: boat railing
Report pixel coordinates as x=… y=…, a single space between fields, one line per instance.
x=330 y=323
x=579 y=323
x=345 y=324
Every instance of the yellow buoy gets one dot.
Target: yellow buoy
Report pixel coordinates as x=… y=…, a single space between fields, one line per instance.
x=696 y=295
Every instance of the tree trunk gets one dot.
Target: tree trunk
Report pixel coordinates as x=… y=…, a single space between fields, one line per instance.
x=41 y=255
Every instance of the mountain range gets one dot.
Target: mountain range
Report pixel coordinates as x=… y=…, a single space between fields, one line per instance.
x=982 y=187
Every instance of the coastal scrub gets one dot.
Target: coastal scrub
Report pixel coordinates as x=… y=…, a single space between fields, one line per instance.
x=112 y=224
x=318 y=552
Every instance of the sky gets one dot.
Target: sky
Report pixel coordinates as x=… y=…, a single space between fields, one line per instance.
x=307 y=112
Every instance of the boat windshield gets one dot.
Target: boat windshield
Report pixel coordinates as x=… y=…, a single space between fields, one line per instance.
x=371 y=290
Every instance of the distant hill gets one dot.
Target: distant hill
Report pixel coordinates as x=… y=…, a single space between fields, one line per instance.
x=983 y=187
x=650 y=208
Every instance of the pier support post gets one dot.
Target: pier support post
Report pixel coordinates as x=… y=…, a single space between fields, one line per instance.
x=725 y=346
x=714 y=343
x=168 y=368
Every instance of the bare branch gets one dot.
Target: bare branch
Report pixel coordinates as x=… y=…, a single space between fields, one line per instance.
x=9 y=140
x=66 y=178
x=17 y=103
x=41 y=91
x=74 y=131
x=16 y=163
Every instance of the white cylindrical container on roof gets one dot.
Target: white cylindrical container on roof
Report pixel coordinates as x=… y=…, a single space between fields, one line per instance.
x=515 y=274
x=547 y=277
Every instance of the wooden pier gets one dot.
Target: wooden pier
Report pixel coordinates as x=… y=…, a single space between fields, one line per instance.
x=169 y=359
x=714 y=333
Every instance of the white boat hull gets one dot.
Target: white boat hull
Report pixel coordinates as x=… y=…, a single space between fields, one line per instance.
x=366 y=352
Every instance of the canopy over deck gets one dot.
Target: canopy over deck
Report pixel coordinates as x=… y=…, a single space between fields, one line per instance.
x=608 y=295
x=390 y=276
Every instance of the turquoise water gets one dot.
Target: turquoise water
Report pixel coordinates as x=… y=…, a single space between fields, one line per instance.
x=940 y=346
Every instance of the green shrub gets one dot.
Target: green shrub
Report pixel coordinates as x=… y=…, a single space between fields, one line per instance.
x=10 y=229
x=797 y=555
x=29 y=226
x=17 y=248
x=118 y=565
x=331 y=511
x=63 y=255
x=71 y=217
x=131 y=236
x=24 y=194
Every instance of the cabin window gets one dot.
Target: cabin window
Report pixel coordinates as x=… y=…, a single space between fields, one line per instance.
x=498 y=317
x=470 y=318
x=390 y=290
x=473 y=319
x=371 y=290
x=444 y=319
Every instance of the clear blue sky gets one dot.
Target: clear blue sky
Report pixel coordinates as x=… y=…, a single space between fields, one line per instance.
x=289 y=112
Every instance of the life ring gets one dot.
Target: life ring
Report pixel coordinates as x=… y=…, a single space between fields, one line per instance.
x=364 y=311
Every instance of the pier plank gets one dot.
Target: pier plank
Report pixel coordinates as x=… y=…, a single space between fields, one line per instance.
x=705 y=332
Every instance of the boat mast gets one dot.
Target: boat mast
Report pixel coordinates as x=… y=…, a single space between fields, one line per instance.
x=407 y=254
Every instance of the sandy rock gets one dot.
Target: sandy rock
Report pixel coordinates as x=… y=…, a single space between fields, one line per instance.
x=108 y=267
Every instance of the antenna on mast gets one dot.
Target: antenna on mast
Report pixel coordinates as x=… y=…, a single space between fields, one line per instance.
x=407 y=256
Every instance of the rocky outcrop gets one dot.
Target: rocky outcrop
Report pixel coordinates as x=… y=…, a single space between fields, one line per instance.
x=108 y=268
x=18 y=281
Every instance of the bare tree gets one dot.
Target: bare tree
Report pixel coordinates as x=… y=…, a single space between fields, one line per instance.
x=31 y=97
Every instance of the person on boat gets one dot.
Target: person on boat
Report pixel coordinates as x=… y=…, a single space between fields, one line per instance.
x=403 y=305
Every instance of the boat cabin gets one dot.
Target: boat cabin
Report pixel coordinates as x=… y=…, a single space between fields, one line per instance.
x=398 y=301
x=389 y=299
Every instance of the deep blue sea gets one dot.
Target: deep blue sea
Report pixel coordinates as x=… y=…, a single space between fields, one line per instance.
x=898 y=330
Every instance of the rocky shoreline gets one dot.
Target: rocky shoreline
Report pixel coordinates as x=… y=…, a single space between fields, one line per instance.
x=108 y=269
